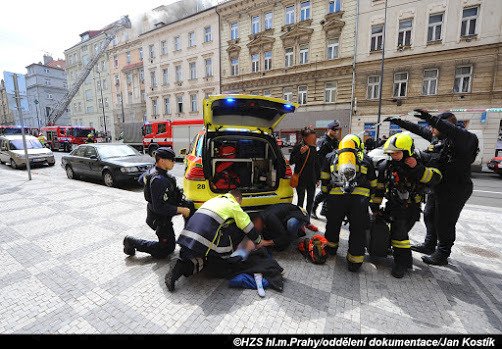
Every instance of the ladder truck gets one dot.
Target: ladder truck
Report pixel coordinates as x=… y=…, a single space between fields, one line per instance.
x=110 y=31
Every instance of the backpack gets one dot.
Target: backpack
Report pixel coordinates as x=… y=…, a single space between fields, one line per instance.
x=314 y=249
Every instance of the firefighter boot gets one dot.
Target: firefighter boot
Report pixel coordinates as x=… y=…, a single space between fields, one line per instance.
x=175 y=272
x=402 y=261
x=398 y=270
x=353 y=267
x=332 y=248
x=314 y=212
x=129 y=246
x=423 y=248
x=437 y=258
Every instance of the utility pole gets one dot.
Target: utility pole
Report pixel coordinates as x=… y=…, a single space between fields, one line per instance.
x=381 y=76
x=36 y=109
x=102 y=104
x=20 y=112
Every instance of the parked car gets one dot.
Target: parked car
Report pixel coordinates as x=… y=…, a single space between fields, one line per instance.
x=237 y=149
x=12 y=151
x=113 y=163
x=495 y=165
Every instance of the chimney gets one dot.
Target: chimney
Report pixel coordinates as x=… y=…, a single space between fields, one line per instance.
x=47 y=59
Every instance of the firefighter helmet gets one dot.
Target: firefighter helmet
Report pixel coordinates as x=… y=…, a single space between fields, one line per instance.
x=351 y=141
x=400 y=142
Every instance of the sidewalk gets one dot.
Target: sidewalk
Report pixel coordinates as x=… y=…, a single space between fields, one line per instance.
x=63 y=271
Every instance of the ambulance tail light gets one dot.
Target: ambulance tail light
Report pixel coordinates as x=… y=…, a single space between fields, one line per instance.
x=289 y=172
x=195 y=174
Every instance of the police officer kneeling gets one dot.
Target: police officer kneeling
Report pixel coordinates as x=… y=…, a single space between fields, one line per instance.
x=163 y=198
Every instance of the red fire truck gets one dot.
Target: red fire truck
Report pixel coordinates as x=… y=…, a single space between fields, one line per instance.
x=63 y=137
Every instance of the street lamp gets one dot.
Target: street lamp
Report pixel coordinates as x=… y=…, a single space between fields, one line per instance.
x=381 y=75
x=102 y=103
x=36 y=109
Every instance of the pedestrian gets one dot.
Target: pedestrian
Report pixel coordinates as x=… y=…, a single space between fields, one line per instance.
x=307 y=167
x=327 y=144
x=402 y=180
x=348 y=178
x=453 y=149
x=163 y=197
x=280 y=224
x=211 y=236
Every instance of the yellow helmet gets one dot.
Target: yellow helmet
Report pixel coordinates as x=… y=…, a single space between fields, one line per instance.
x=351 y=141
x=400 y=142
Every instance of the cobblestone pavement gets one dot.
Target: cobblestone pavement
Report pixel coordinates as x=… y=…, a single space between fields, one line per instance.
x=63 y=271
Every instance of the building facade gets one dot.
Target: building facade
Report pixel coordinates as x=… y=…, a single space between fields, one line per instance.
x=439 y=55
x=91 y=106
x=181 y=65
x=46 y=85
x=6 y=114
x=301 y=51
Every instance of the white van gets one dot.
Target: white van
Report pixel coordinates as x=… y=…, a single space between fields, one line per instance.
x=12 y=151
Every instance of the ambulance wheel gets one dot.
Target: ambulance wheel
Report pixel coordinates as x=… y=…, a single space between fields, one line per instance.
x=108 y=179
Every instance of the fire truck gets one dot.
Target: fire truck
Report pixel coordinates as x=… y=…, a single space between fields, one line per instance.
x=63 y=137
x=176 y=134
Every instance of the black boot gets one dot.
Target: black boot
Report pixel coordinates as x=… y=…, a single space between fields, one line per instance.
x=331 y=250
x=174 y=274
x=398 y=270
x=423 y=248
x=353 y=267
x=437 y=258
x=129 y=246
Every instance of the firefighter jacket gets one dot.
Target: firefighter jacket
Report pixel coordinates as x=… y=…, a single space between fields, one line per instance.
x=402 y=185
x=217 y=227
x=363 y=184
x=326 y=145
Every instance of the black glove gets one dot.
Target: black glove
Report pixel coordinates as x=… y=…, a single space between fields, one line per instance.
x=422 y=114
x=392 y=118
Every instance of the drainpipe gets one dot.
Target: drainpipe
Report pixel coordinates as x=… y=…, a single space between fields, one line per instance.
x=356 y=30
x=219 y=50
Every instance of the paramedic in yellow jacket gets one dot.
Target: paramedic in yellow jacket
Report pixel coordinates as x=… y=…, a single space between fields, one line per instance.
x=212 y=235
x=348 y=177
x=402 y=180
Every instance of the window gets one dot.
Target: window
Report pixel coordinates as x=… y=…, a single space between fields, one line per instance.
x=89 y=109
x=142 y=75
x=140 y=53
x=332 y=49
x=129 y=97
x=88 y=95
x=469 y=19
x=463 y=77
x=177 y=43
x=129 y=78
x=234 y=67
x=268 y=20
x=376 y=37
x=106 y=102
x=330 y=92
x=290 y=15
x=255 y=24
x=208 y=64
x=151 y=51
x=191 y=39
x=161 y=128
x=207 y=34
x=374 y=87
x=335 y=6
x=179 y=101
x=128 y=57
x=165 y=76
x=302 y=94
x=167 y=106
x=49 y=96
x=288 y=57
x=435 y=26
x=193 y=102
x=48 y=82
x=404 y=38
x=267 y=93
x=117 y=80
x=305 y=11
x=234 y=31
x=287 y=94
x=304 y=54
x=115 y=61
x=255 y=63
x=163 y=47
x=178 y=73
x=193 y=70
x=400 y=84
x=153 y=79
x=429 y=87
x=268 y=60
x=154 y=107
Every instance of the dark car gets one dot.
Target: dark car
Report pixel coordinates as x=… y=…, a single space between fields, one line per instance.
x=495 y=165
x=113 y=163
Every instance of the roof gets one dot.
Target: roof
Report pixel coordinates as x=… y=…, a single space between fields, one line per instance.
x=92 y=33
x=57 y=64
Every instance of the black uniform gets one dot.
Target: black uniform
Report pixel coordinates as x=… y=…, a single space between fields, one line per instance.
x=404 y=188
x=326 y=145
x=353 y=204
x=309 y=176
x=453 y=155
x=275 y=219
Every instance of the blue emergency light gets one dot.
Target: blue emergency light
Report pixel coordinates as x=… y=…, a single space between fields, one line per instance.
x=288 y=106
x=230 y=100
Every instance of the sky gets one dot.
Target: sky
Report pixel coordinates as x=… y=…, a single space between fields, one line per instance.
x=30 y=28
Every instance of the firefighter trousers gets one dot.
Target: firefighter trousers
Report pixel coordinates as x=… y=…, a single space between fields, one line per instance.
x=403 y=220
x=355 y=207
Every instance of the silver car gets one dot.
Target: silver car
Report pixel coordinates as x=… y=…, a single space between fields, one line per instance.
x=12 y=151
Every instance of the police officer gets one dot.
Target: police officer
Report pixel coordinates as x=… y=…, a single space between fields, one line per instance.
x=163 y=199
x=211 y=236
x=402 y=182
x=348 y=177
x=326 y=145
x=453 y=149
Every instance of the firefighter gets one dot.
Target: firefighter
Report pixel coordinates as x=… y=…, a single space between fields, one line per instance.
x=211 y=236
x=90 y=137
x=163 y=197
x=326 y=145
x=453 y=150
x=41 y=138
x=402 y=181
x=348 y=177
